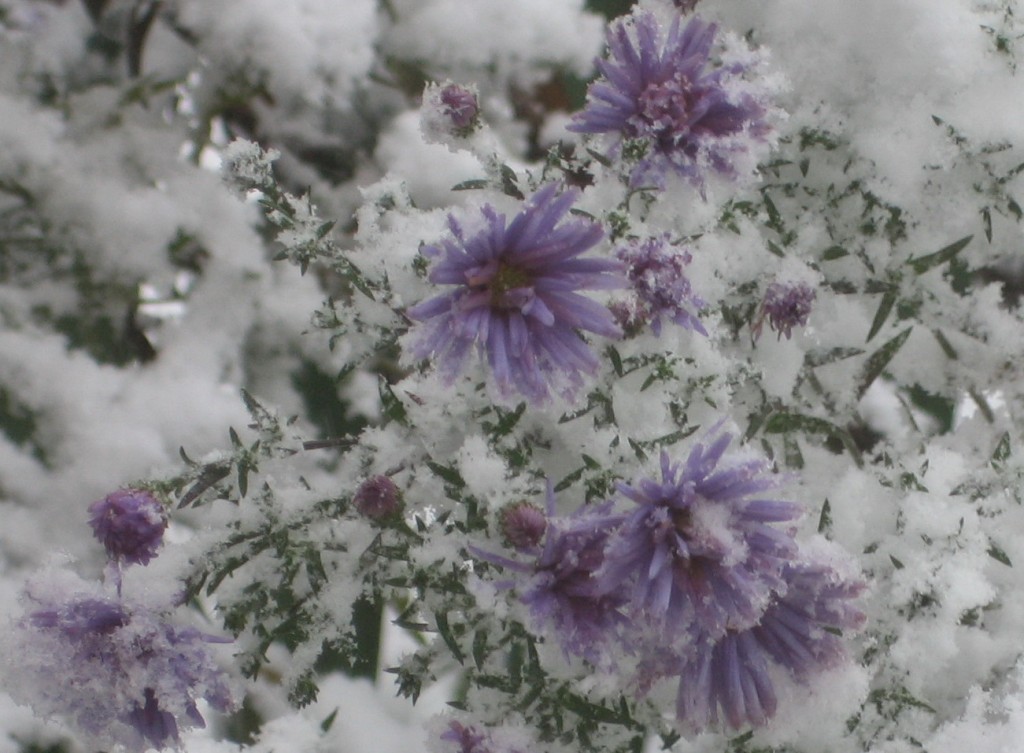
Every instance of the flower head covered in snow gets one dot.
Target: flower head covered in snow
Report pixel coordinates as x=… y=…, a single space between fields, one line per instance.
x=797 y=632
x=130 y=524
x=378 y=499
x=661 y=94
x=657 y=273
x=785 y=305
x=127 y=675
x=699 y=552
x=449 y=112
x=514 y=298
x=559 y=586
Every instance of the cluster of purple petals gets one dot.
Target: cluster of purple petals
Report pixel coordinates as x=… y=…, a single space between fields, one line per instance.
x=661 y=288
x=785 y=305
x=704 y=581
x=127 y=676
x=466 y=738
x=514 y=298
x=559 y=584
x=130 y=524
x=662 y=92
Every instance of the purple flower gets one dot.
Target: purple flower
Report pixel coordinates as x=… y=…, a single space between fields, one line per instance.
x=522 y=525
x=699 y=553
x=514 y=296
x=130 y=524
x=657 y=273
x=797 y=632
x=786 y=305
x=118 y=672
x=667 y=106
x=560 y=587
x=460 y=105
x=466 y=739
x=378 y=498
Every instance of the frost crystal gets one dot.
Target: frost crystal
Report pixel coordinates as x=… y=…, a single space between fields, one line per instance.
x=786 y=305
x=130 y=524
x=699 y=553
x=657 y=273
x=515 y=298
x=378 y=498
x=128 y=676
x=667 y=106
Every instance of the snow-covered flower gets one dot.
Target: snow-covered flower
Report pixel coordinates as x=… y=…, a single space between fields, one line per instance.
x=667 y=105
x=378 y=498
x=797 y=632
x=126 y=675
x=559 y=585
x=130 y=524
x=515 y=297
x=699 y=553
x=786 y=305
x=449 y=112
x=465 y=739
x=657 y=273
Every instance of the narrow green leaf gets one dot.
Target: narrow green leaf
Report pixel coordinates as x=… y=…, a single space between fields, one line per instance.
x=445 y=630
x=510 y=183
x=1002 y=451
x=986 y=219
x=834 y=252
x=922 y=264
x=328 y=722
x=996 y=553
x=470 y=185
x=445 y=473
x=599 y=158
x=896 y=563
x=946 y=346
x=822 y=356
x=825 y=519
x=391 y=406
x=884 y=308
x=878 y=360
x=983 y=406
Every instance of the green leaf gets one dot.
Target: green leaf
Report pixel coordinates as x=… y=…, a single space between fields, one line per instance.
x=825 y=519
x=896 y=563
x=922 y=264
x=996 y=553
x=946 y=346
x=470 y=185
x=986 y=218
x=510 y=183
x=445 y=630
x=783 y=423
x=328 y=722
x=391 y=406
x=884 y=308
x=834 y=252
x=1002 y=452
x=599 y=158
x=822 y=356
x=445 y=473
x=878 y=360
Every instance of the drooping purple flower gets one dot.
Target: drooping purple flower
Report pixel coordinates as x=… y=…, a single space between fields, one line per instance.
x=797 y=633
x=514 y=298
x=378 y=498
x=130 y=524
x=786 y=305
x=657 y=273
x=560 y=587
x=118 y=672
x=700 y=553
x=664 y=102
x=522 y=525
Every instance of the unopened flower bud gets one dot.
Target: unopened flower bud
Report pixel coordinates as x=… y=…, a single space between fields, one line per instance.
x=378 y=498
x=522 y=524
x=130 y=524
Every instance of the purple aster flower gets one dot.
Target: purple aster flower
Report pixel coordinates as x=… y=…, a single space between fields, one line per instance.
x=450 y=113
x=667 y=106
x=522 y=525
x=699 y=553
x=657 y=273
x=466 y=738
x=797 y=632
x=786 y=305
x=130 y=524
x=460 y=106
x=560 y=587
x=514 y=297
x=378 y=498
x=126 y=675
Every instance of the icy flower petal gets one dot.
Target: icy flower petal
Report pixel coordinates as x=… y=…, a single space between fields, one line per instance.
x=657 y=274
x=130 y=524
x=699 y=555
x=515 y=298
x=663 y=99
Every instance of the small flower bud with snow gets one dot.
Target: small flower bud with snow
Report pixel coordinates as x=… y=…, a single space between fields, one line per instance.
x=522 y=524
x=378 y=498
x=130 y=524
x=450 y=112
x=786 y=305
